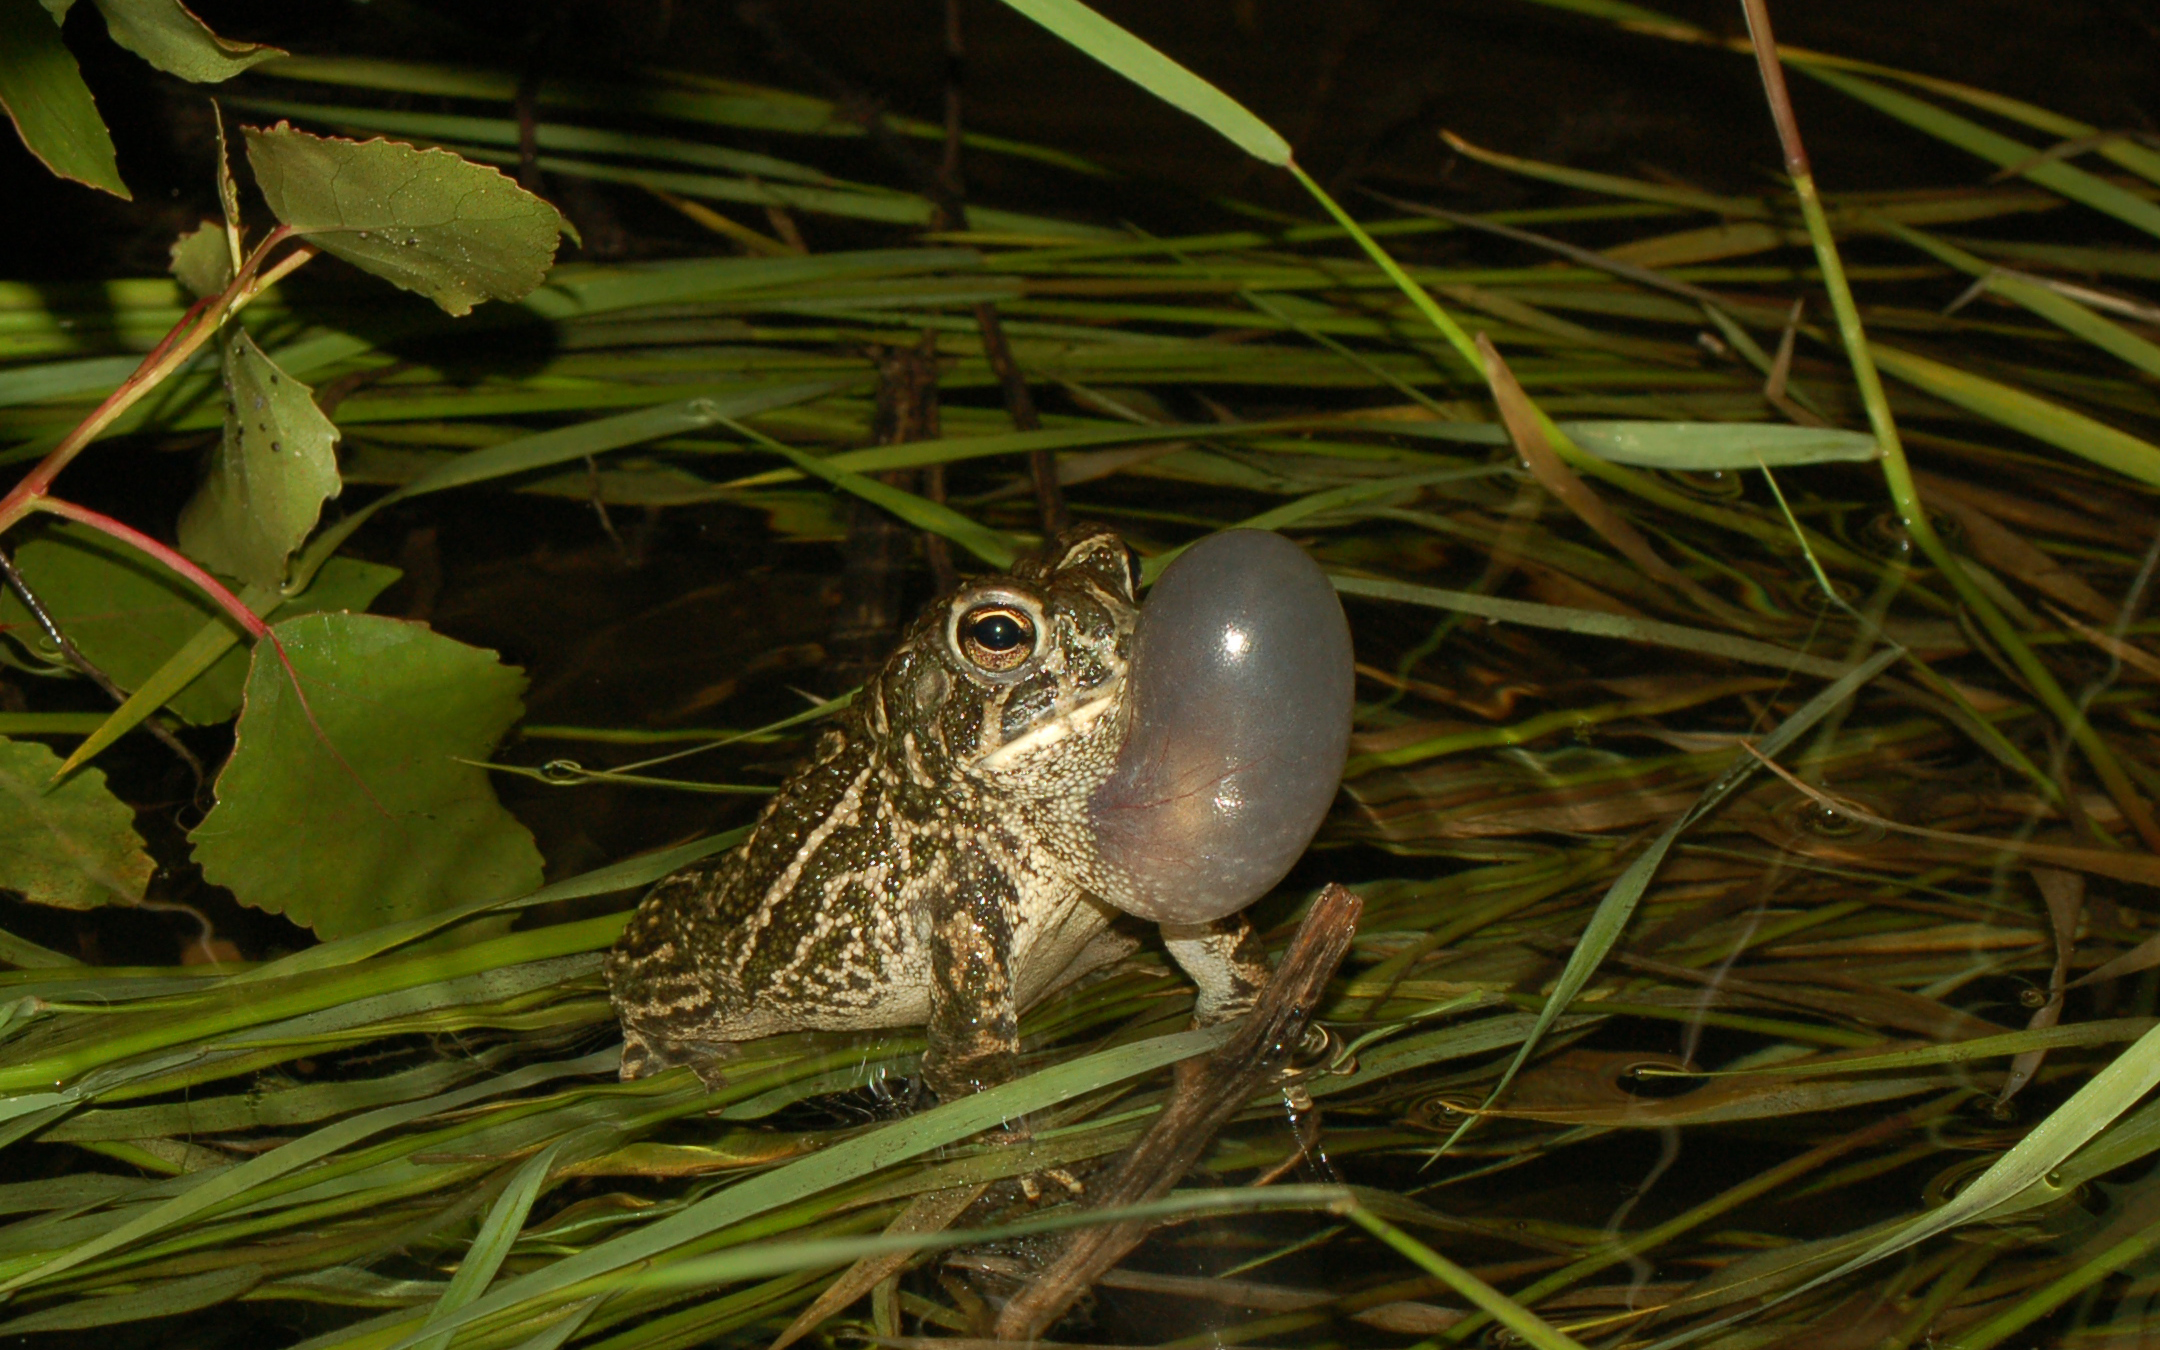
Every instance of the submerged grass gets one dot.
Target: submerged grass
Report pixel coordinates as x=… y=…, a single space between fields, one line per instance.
x=1779 y=1009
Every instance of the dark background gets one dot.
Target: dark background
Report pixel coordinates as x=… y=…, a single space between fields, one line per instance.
x=1360 y=87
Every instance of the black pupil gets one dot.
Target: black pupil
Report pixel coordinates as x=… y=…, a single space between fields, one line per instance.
x=998 y=632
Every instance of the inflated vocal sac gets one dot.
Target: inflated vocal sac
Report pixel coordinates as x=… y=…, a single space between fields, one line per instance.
x=1239 y=719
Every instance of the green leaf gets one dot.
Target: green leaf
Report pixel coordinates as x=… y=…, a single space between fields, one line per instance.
x=43 y=91
x=269 y=476
x=128 y=615
x=168 y=36
x=201 y=261
x=351 y=808
x=456 y=232
x=1158 y=74
x=73 y=846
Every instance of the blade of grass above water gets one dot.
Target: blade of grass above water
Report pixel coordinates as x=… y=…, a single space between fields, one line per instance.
x=2036 y=417
x=2057 y=308
x=213 y=1014
x=491 y=1245
x=629 y=874
x=2003 y=152
x=1592 y=623
x=503 y=131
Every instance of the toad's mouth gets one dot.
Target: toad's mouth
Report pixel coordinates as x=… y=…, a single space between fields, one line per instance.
x=1240 y=689
x=1077 y=722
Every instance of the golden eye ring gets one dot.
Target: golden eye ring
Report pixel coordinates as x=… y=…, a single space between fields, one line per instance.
x=997 y=638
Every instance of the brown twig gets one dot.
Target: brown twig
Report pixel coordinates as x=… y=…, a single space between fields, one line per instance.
x=1020 y=406
x=1203 y=1097
x=949 y=172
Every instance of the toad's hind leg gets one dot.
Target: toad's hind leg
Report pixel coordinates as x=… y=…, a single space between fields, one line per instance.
x=671 y=1012
x=1225 y=959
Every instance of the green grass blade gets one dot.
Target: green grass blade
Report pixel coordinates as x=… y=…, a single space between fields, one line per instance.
x=2057 y=1292
x=2110 y=1031
x=1350 y=494
x=491 y=1245
x=2057 y=308
x=2110 y=1093
x=2138 y=159
x=1158 y=74
x=629 y=874
x=776 y=1258
x=503 y=131
x=566 y=444
x=1998 y=149
x=1591 y=623
x=563 y=1328
x=163 y=1298
x=992 y=546
x=2036 y=417
x=1527 y=1325
x=663 y=94
x=1687 y=447
x=1613 y=185
x=196 y=655
x=522 y=455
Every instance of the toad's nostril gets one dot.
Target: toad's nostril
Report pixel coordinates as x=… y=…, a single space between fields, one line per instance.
x=1240 y=721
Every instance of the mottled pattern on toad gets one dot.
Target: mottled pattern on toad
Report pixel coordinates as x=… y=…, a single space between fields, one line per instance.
x=927 y=866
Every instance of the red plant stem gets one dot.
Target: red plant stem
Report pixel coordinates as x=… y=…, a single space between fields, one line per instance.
x=143 y=543
x=186 y=338
x=165 y=343
x=1774 y=90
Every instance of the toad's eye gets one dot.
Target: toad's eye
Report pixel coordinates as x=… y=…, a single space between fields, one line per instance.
x=997 y=637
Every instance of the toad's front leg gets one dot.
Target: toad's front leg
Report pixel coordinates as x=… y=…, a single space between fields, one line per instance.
x=1226 y=960
x=974 y=1026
